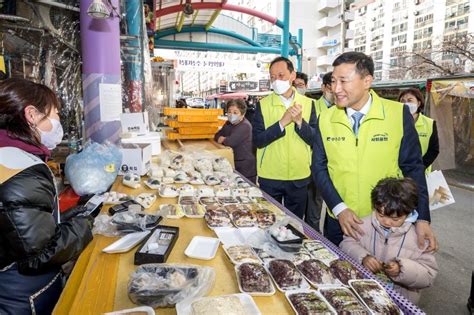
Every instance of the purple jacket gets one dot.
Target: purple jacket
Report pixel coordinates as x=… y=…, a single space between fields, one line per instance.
x=418 y=269
x=239 y=138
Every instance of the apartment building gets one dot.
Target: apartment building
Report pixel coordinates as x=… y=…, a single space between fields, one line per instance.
x=390 y=31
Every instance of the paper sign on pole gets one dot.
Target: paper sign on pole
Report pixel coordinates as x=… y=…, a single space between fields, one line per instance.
x=110 y=96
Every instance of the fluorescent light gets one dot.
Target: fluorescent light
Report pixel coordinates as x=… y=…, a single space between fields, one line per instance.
x=98 y=10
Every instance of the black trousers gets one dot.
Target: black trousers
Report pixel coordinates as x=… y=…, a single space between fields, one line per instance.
x=313 y=206
x=293 y=194
x=20 y=294
x=332 y=230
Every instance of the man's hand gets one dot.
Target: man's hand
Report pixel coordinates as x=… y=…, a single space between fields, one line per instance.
x=424 y=232
x=286 y=119
x=296 y=114
x=392 y=269
x=221 y=139
x=349 y=222
x=371 y=263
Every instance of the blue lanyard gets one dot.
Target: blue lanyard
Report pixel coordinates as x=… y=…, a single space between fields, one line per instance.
x=399 y=250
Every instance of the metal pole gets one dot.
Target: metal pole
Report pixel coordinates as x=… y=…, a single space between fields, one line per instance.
x=343 y=26
x=100 y=46
x=299 y=53
x=285 y=37
x=135 y=65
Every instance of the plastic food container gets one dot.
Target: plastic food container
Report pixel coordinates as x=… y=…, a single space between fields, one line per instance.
x=241 y=303
x=239 y=254
x=374 y=297
x=308 y=302
x=285 y=275
x=255 y=273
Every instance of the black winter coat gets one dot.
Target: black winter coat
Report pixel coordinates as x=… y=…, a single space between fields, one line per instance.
x=30 y=234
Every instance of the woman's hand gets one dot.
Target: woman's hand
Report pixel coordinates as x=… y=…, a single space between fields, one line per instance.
x=221 y=139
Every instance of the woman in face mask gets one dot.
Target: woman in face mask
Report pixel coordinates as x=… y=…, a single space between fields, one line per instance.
x=36 y=241
x=426 y=127
x=237 y=134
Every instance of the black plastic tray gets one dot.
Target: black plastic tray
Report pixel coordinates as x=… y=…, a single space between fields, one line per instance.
x=295 y=241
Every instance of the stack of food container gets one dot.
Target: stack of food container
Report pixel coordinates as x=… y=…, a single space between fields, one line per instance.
x=192 y=123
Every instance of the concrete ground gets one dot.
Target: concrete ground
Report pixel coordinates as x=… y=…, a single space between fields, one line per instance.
x=454 y=228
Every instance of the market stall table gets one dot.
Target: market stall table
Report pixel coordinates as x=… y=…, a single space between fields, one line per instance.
x=99 y=281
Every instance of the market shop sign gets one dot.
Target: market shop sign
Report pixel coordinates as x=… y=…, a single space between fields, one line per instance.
x=228 y=66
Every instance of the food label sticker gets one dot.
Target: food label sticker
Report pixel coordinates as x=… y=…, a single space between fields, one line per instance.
x=110 y=168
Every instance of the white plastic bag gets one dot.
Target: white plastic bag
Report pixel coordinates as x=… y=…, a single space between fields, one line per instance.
x=94 y=169
x=438 y=190
x=164 y=285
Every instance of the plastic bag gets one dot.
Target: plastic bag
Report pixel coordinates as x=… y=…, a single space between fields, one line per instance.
x=134 y=221
x=221 y=164
x=164 y=285
x=125 y=222
x=103 y=226
x=94 y=169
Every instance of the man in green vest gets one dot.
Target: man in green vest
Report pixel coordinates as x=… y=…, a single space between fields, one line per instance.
x=283 y=132
x=358 y=142
x=315 y=199
x=327 y=99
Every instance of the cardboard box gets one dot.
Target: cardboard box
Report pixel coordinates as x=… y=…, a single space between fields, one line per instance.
x=136 y=123
x=153 y=138
x=136 y=158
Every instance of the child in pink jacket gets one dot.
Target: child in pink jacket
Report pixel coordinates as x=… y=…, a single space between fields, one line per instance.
x=389 y=243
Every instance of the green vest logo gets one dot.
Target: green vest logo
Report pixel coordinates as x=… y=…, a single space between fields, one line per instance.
x=423 y=134
x=335 y=139
x=380 y=137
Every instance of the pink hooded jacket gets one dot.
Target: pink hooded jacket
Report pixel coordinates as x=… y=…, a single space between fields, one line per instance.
x=417 y=268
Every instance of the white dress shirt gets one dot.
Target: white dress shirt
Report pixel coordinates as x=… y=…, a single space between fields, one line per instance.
x=287 y=102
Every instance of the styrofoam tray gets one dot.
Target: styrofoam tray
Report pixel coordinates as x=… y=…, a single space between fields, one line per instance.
x=303 y=285
x=236 y=268
x=345 y=288
x=126 y=243
x=136 y=310
x=288 y=293
x=381 y=289
x=318 y=285
x=229 y=236
x=255 y=259
x=184 y=308
x=202 y=247
x=179 y=211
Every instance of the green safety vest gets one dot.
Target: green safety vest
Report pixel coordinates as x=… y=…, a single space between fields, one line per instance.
x=424 y=127
x=356 y=165
x=289 y=157
x=321 y=105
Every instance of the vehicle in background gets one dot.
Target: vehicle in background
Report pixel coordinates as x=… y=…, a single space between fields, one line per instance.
x=196 y=102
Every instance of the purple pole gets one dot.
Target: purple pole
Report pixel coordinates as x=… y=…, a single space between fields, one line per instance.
x=100 y=41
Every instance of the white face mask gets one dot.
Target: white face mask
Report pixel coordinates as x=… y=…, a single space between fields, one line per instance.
x=280 y=86
x=52 y=138
x=413 y=107
x=302 y=91
x=234 y=118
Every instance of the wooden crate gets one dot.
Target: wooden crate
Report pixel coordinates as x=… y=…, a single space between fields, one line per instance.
x=198 y=118
x=173 y=135
x=197 y=130
x=170 y=111
x=176 y=124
